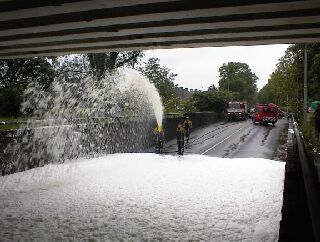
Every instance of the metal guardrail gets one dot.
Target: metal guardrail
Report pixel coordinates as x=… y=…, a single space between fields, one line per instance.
x=12 y=122
x=53 y=123
x=64 y=120
x=311 y=185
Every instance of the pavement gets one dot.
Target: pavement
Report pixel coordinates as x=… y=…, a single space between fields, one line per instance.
x=234 y=140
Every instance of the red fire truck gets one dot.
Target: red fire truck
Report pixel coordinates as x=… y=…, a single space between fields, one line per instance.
x=265 y=113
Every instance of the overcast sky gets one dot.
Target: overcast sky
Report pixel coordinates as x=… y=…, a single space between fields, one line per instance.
x=199 y=67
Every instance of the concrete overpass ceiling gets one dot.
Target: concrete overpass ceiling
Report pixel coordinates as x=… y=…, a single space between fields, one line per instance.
x=57 y=27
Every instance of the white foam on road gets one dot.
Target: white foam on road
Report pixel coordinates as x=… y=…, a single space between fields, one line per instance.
x=145 y=196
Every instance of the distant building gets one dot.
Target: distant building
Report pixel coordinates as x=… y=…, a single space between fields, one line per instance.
x=185 y=93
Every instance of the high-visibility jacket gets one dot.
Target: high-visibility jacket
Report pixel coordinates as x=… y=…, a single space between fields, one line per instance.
x=180 y=132
x=158 y=131
x=158 y=128
x=187 y=124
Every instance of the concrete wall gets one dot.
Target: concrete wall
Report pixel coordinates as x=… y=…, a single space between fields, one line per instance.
x=198 y=119
x=25 y=149
x=20 y=151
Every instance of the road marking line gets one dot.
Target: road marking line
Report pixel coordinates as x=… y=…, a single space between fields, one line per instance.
x=221 y=141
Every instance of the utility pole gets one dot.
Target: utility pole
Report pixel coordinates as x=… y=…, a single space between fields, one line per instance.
x=287 y=103
x=305 y=90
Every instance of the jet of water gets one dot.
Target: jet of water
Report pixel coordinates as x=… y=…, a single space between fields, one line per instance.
x=85 y=118
x=136 y=81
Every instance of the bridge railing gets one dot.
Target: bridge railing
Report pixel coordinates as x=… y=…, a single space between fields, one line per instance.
x=310 y=182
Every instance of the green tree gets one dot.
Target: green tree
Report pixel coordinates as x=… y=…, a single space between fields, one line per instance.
x=101 y=63
x=286 y=82
x=211 y=100
x=189 y=105
x=238 y=78
x=285 y=87
x=15 y=75
x=72 y=68
x=19 y=72
x=163 y=80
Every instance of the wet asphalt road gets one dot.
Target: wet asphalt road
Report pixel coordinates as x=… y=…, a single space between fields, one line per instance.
x=234 y=140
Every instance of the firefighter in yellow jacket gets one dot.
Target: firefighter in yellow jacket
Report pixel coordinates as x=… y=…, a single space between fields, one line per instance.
x=159 y=137
x=180 y=138
x=187 y=125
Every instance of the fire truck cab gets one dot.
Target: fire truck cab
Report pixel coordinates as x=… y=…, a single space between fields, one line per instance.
x=237 y=111
x=265 y=113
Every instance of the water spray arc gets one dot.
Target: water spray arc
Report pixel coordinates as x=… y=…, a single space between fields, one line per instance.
x=86 y=118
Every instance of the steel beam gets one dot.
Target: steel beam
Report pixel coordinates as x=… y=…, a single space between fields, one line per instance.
x=31 y=28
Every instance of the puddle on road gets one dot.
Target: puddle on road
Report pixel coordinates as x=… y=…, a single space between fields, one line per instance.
x=234 y=146
x=266 y=134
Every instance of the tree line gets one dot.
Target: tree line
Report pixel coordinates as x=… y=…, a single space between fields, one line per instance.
x=17 y=74
x=285 y=85
x=237 y=81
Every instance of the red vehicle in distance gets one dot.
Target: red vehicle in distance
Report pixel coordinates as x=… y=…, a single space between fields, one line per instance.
x=265 y=114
